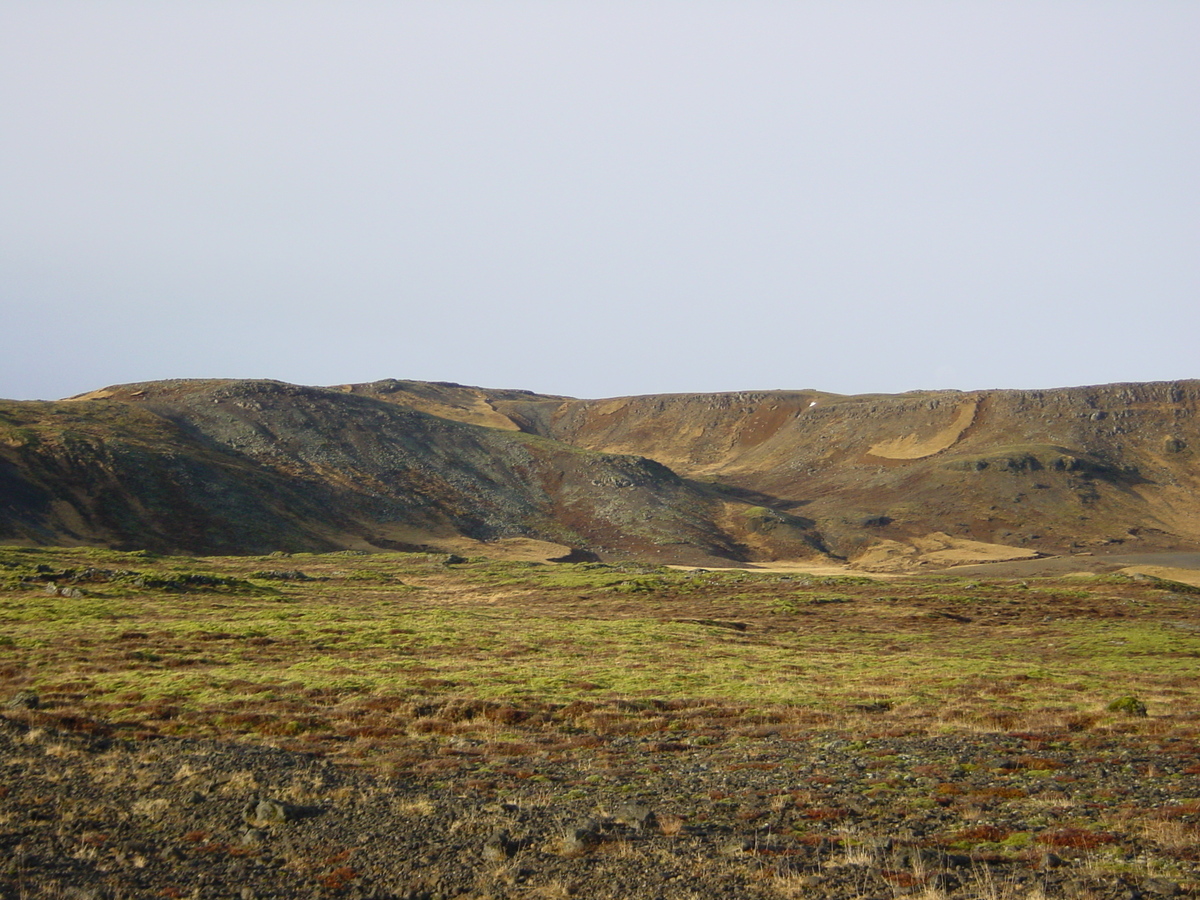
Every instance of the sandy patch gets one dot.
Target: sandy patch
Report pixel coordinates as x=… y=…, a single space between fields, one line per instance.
x=916 y=447
x=475 y=412
x=937 y=549
x=795 y=566
x=1185 y=576
x=90 y=395
x=516 y=549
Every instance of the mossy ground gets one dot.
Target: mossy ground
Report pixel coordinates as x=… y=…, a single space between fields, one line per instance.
x=176 y=644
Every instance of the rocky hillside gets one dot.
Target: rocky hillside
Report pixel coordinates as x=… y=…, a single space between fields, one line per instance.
x=229 y=466
x=1052 y=469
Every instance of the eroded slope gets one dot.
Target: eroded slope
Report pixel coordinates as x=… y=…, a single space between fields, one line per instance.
x=224 y=466
x=1058 y=470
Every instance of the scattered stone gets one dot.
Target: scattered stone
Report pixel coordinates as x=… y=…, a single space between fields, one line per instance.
x=667 y=747
x=407 y=837
x=55 y=591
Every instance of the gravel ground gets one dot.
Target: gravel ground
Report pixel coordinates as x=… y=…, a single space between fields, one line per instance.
x=827 y=815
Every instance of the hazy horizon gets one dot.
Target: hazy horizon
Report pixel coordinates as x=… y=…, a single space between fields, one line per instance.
x=600 y=199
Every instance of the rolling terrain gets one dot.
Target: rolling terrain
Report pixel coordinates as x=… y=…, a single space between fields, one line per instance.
x=274 y=641
x=885 y=481
x=1060 y=470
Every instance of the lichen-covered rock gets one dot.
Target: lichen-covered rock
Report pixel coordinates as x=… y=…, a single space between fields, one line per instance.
x=23 y=700
x=1130 y=706
x=267 y=812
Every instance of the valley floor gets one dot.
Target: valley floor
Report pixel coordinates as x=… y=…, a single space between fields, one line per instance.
x=429 y=726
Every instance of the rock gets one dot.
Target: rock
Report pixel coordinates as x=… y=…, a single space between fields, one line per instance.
x=1160 y=887
x=1130 y=706
x=269 y=812
x=23 y=700
x=579 y=841
x=634 y=815
x=498 y=847
x=55 y=591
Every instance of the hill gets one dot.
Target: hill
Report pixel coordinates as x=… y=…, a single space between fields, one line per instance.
x=888 y=481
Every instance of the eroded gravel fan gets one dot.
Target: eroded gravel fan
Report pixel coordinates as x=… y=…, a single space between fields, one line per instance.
x=825 y=817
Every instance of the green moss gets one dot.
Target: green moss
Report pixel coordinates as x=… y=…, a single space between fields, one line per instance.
x=567 y=634
x=800 y=601
x=1129 y=706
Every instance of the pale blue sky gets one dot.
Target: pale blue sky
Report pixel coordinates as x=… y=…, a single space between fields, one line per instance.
x=600 y=198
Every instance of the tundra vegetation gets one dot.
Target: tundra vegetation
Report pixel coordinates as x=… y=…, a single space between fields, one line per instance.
x=432 y=725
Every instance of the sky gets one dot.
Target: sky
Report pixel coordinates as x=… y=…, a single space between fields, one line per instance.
x=600 y=198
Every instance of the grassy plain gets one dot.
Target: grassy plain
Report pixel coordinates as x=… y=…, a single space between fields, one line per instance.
x=365 y=656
